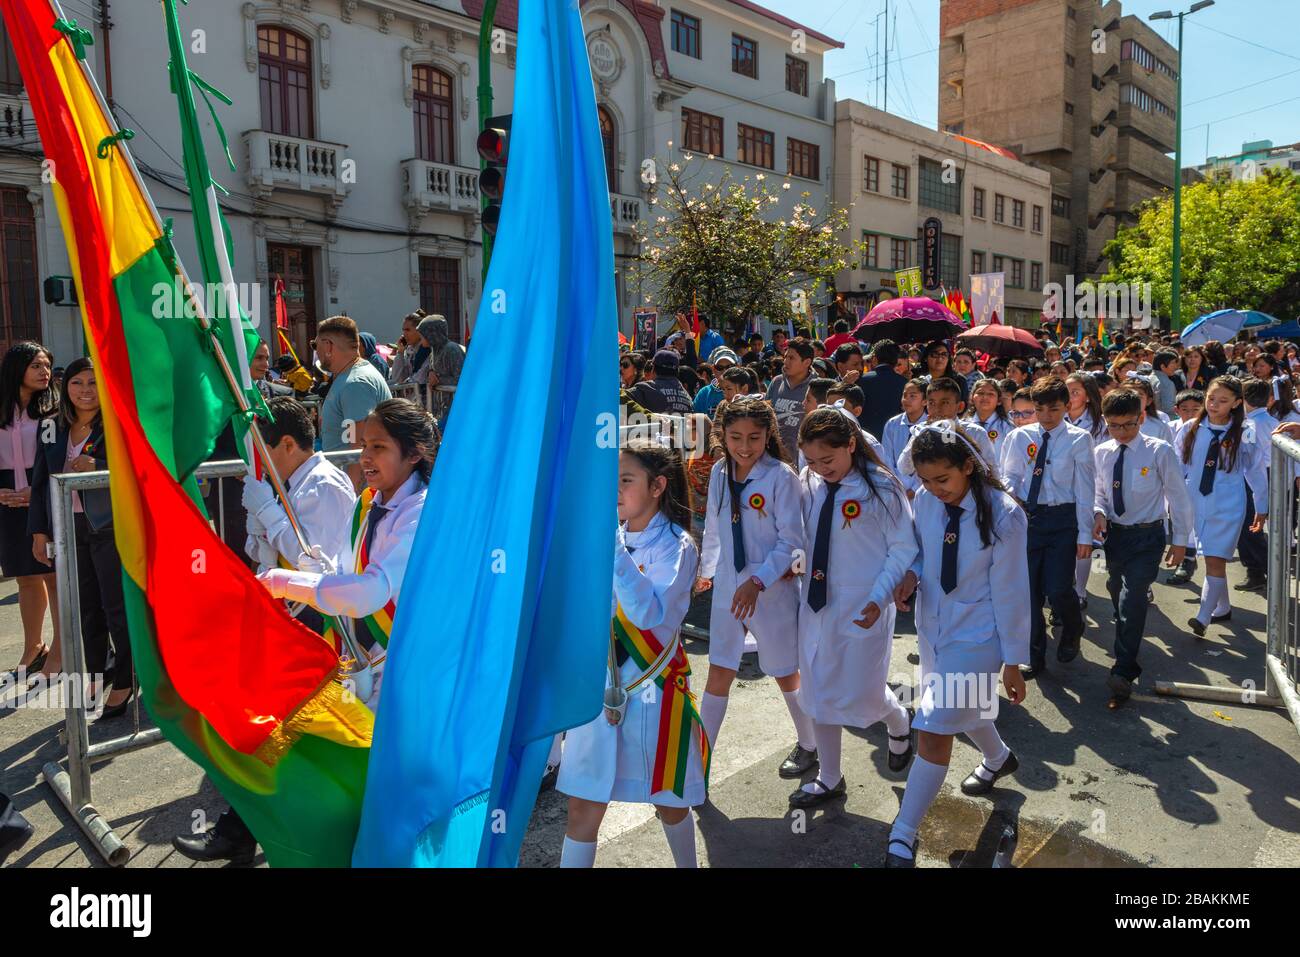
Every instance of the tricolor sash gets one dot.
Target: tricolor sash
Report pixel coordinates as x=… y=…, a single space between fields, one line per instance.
x=678 y=713
x=379 y=625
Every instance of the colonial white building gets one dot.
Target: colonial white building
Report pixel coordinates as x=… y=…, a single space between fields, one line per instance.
x=353 y=130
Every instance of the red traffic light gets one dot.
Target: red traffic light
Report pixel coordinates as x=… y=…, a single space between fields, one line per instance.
x=491 y=144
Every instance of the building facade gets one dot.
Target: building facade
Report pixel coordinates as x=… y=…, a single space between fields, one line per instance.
x=1255 y=158
x=353 y=133
x=893 y=175
x=1075 y=87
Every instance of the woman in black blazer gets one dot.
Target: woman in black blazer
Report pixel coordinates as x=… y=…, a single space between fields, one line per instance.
x=78 y=446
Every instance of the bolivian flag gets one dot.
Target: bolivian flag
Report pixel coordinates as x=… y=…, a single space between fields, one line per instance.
x=232 y=681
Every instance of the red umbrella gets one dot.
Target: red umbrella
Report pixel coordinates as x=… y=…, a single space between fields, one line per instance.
x=998 y=340
x=909 y=319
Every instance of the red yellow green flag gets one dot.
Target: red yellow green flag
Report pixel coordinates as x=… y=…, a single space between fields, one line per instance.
x=241 y=688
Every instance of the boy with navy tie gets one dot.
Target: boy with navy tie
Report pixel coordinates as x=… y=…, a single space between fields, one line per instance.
x=1048 y=467
x=1138 y=478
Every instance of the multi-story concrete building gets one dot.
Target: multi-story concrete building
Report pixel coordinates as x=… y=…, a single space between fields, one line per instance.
x=893 y=175
x=1255 y=158
x=1076 y=87
x=353 y=129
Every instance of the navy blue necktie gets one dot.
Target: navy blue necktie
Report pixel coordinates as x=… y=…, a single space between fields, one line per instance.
x=1117 y=482
x=1211 y=463
x=1040 y=465
x=737 y=527
x=822 y=550
x=951 y=538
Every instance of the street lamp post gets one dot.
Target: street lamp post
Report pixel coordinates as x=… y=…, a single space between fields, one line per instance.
x=1175 y=306
x=485 y=102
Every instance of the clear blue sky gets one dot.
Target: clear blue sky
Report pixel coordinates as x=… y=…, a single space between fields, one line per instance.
x=1240 y=57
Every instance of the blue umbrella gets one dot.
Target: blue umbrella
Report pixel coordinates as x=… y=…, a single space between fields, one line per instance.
x=1221 y=325
x=1256 y=319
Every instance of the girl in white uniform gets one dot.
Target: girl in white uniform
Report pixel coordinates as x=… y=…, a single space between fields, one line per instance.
x=1084 y=411
x=898 y=430
x=972 y=621
x=397 y=452
x=624 y=754
x=1154 y=422
x=859 y=542
x=987 y=412
x=1221 y=453
x=752 y=528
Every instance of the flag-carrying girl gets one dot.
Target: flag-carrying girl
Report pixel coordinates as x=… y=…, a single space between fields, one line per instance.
x=972 y=620
x=752 y=528
x=647 y=746
x=1222 y=455
x=397 y=452
x=859 y=542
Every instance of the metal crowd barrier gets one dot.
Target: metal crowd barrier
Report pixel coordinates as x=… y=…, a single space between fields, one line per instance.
x=436 y=401
x=73 y=785
x=1282 y=661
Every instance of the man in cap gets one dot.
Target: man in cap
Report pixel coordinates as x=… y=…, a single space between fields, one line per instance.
x=709 y=397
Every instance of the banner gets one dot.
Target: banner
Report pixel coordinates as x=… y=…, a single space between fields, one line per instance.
x=931 y=252
x=909 y=281
x=986 y=298
x=643 y=330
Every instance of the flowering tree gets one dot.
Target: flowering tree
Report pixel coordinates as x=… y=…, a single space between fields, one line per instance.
x=723 y=244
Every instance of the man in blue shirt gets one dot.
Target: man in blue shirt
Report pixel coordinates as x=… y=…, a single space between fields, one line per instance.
x=710 y=339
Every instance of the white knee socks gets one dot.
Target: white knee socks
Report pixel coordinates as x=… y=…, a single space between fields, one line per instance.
x=995 y=750
x=577 y=853
x=828 y=754
x=803 y=725
x=553 y=759
x=1082 y=569
x=896 y=723
x=681 y=840
x=923 y=783
x=712 y=710
x=1214 y=593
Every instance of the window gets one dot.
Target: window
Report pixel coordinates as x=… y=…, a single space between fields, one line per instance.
x=1069 y=12
x=1060 y=254
x=933 y=191
x=898 y=254
x=11 y=80
x=1060 y=206
x=1035 y=275
x=898 y=181
x=1018 y=213
x=950 y=261
x=1069 y=108
x=284 y=79
x=871 y=252
x=1037 y=221
x=701 y=132
x=609 y=139
x=870 y=174
x=802 y=159
x=1069 y=60
x=433 y=115
x=999 y=264
x=1144 y=101
x=796 y=75
x=999 y=208
x=744 y=56
x=686 y=34
x=20 y=312
x=977 y=203
x=976 y=263
x=1132 y=50
x=1017 y=274
x=440 y=291
x=755 y=146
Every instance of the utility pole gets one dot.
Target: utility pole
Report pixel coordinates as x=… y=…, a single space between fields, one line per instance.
x=485 y=104
x=886 y=56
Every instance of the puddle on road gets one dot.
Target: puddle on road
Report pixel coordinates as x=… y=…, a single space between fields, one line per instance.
x=966 y=833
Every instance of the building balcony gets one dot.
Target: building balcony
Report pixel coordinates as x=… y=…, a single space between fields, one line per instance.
x=14 y=113
x=625 y=211
x=1141 y=158
x=1157 y=127
x=277 y=162
x=429 y=187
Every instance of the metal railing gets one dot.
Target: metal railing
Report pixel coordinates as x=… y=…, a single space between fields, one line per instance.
x=1282 y=660
x=436 y=401
x=73 y=784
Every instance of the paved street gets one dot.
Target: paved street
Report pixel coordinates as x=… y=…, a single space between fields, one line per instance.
x=1164 y=782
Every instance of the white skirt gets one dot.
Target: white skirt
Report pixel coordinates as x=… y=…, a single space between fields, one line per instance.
x=604 y=763
x=774 y=625
x=1218 y=517
x=843 y=669
x=950 y=703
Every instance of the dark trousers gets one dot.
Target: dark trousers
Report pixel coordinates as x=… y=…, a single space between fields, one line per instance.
x=1053 y=538
x=1252 y=546
x=103 y=609
x=1132 y=559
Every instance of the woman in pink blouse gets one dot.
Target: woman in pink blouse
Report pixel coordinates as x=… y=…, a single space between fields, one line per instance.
x=25 y=397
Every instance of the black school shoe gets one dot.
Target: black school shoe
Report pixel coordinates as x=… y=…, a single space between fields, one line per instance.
x=1197 y=628
x=1067 y=649
x=802 y=799
x=895 y=860
x=899 y=762
x=798 y=762
x=975 y=785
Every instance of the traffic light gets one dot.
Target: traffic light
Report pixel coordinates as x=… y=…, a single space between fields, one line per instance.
x=494 y=147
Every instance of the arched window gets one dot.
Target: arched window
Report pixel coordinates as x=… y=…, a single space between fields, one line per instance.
x=610 y=139
x=433 y=112
x=284 y=76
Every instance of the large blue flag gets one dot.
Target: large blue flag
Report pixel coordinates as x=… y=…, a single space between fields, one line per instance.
x=502 y=628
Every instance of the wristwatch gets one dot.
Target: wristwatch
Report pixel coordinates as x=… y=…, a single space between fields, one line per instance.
x=759 y=582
